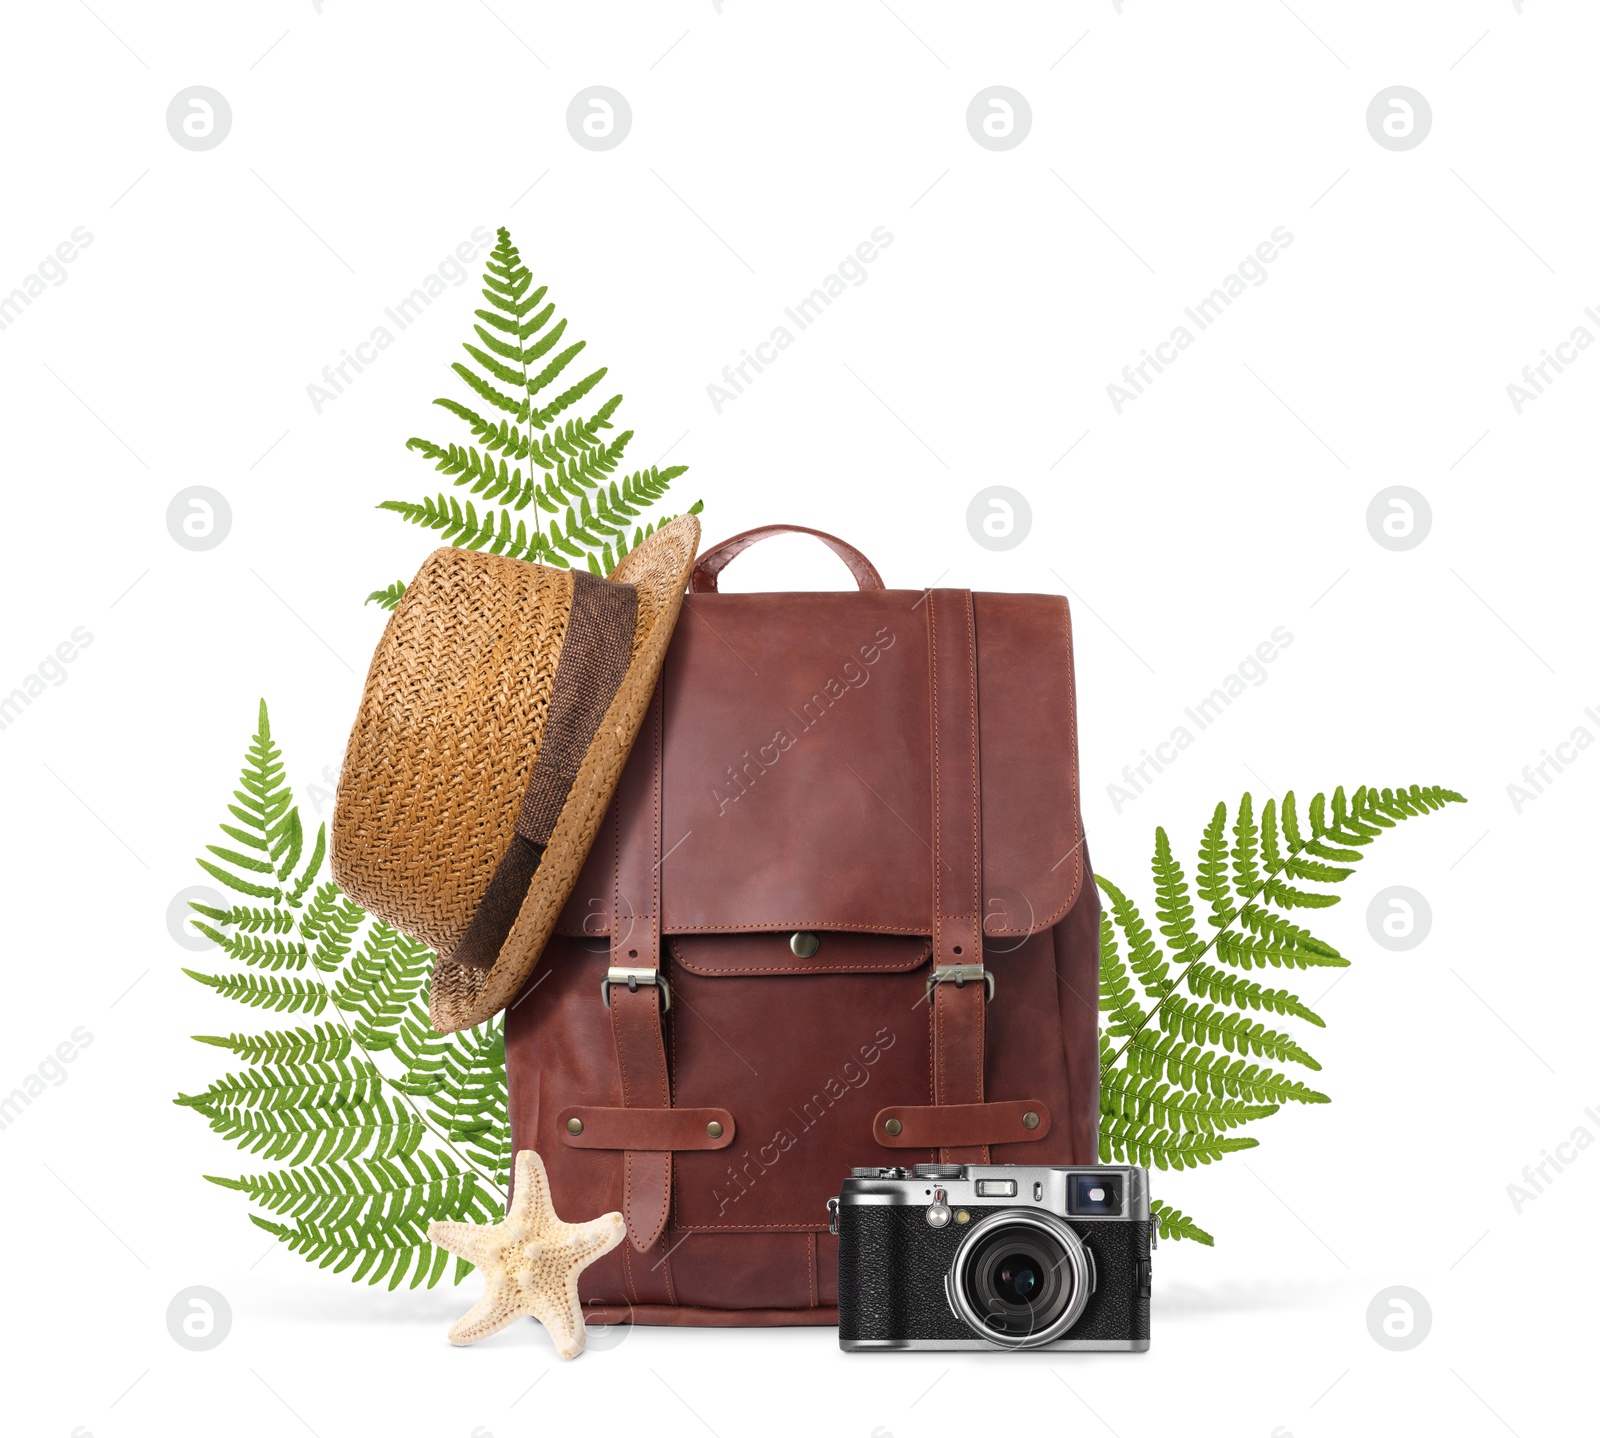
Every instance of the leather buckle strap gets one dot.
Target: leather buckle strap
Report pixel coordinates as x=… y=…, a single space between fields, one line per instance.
x=632 y=987
x=677 y=1129
x=959 y=974
x=961 y=1125
x=958 y=1005
x=634 y=977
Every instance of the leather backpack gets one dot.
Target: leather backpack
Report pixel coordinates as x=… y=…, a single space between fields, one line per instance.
x=840 y=913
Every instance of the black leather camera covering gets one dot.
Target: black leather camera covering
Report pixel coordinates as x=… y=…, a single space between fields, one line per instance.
x=892 y=1267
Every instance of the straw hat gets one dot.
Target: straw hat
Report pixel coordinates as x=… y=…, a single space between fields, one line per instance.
x=500 y=707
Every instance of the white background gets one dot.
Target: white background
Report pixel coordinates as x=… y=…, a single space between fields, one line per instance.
x=1167 y=141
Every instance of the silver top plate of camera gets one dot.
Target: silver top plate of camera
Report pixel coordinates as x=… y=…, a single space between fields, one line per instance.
x=1108 y=1192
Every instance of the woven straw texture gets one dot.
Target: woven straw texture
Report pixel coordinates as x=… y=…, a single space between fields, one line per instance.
x=447 y=734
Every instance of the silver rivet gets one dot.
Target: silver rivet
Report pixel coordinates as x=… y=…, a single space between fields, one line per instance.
x=891 y=1126
x=803 y=946
x=714 y=1129
x=1030 y=1119
x=574 y=1125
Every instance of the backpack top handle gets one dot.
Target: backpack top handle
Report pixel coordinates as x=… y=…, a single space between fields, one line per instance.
x=714 y=560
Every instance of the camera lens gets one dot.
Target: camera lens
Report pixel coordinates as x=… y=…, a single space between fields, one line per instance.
x=1017 y=1283
x=1019 y=1278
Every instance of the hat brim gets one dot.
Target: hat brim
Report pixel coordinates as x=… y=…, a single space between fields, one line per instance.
x=463 y=995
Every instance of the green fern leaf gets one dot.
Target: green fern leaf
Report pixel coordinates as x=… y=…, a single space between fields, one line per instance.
x=380 y=983
x=1149 y=1101
x=1117 y=996
x=315 y=1135
x=286 y=1046
x=1172 y=1223
x=1173 y=908
x=1207 y=981
x=1128 y=1141
x=330 y=1084
x=1144 y=956
x=294 y=996
x=1195 y=1023
x=506 y=367
x=1203 y=1069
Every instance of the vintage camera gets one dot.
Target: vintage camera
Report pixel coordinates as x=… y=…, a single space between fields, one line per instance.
x=994 y=1256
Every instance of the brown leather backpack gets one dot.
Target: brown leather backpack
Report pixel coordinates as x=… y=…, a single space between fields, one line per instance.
x=840 y=914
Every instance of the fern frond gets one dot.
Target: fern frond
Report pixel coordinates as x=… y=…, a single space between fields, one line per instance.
x=315 y=1135
x=1204 y=1069
x=293 y=996
x=1244 y=952
x=573 y=512
x=388 y=598
x=286 y=1046
x=1246 y=850
x=468 y=1103
x=1173 y=908
x=1172 y=1223
x=1177 y=1109
x=331 y=922
x=1144 y=956
x=380 y=982
x=1128 y=1141
x=1117 y=996
x=258 y=952
x=331 y=1084
x=1235 y=1033
x=389 y=1239
x=246 y=918
x=356 y=1193
x=1207 y=981
x=1211 y=871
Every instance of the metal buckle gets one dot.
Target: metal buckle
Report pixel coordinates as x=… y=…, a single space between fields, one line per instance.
x=633 y=978
x=958 y=974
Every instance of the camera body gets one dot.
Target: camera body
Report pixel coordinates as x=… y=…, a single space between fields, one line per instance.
x=994 y=1256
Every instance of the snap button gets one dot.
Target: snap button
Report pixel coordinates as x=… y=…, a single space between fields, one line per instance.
x=891 y=1126
x=1030 y=1119
x=574 y=1125
x=803 y=946
x=714 y=1129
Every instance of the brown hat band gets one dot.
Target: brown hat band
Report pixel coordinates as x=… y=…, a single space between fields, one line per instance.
x=595 y=653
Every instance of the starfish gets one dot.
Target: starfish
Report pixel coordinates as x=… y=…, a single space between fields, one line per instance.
x=530 y=1262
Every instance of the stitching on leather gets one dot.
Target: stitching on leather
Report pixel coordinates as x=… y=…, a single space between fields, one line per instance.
x=898 y=966
x=666 y=1263
x=1050 y=920
x=627 y=1266
x=811 y=1265
x=938 y=827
